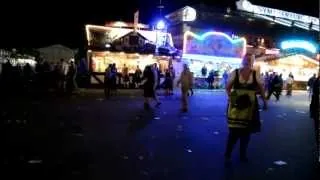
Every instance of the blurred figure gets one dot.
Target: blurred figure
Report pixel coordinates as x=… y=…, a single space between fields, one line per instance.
x=63 y=71
x=114 y=76
x=289 y=83
x=168 y=82
x=156 y=75
x=310 y=85
x=225 y=78
x=28 y=75
x=72 y=72
x=186 y=81
x=275 y=87
x=173 y=76
x=204 y=71
x=157 y=72
x=108 y=81
x=125 y=76
x=149 y=86
x=210 y=79
x=191 y=87
x=137 y=77
x=243 y=107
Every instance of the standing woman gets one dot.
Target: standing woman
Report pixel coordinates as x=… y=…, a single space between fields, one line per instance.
x=168 y=83
x=243 y=111
x=149 y=86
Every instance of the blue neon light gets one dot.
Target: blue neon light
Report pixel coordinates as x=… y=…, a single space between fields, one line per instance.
x=301 y=44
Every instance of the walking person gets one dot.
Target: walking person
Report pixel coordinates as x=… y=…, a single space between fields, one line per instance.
x=108 y=81
x=186 y=81
x=156 y=75
x=168 y=83
x=114 y=79
x=310 y=85
x=191 y=87
x=243 y=111
x=289 y=83
x=72 y=71
x=275 y=87
x=149 y=86
x=137 y=77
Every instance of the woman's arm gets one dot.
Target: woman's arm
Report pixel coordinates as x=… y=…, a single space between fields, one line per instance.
x=261 y=90
x=230 y=82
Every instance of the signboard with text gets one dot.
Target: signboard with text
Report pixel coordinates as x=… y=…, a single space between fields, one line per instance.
x=245 y=5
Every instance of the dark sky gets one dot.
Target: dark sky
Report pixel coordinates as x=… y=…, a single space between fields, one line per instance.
x=31 y=24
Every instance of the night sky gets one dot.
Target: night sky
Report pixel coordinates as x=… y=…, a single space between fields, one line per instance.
x=31 y=24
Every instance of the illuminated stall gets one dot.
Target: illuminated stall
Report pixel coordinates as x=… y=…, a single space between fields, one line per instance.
x=301 y=66
x=101 y=60
x=214 y=50
x=297 y=57
x=124 y=44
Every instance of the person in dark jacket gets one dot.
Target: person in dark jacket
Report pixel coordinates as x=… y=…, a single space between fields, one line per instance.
x=149 y=86
x=314 y=110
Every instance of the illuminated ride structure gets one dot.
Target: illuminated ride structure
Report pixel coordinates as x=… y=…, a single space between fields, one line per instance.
x=218 y=38
x=124 y=44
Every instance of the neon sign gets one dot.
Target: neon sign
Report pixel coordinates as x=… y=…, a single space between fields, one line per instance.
x=299 y=44
x=245 y=5
x=214 y=44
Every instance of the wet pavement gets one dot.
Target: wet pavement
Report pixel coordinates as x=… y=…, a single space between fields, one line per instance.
x=88 y=137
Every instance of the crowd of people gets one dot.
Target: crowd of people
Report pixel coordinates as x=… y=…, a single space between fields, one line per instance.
x=39 y=80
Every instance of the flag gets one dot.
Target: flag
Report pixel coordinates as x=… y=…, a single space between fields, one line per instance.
x=136 y=20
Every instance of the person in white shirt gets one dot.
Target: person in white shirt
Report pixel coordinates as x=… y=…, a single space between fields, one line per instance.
x=289 y=82
x=64 y=67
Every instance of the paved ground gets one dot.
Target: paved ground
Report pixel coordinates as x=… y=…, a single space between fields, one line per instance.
x=86 y=137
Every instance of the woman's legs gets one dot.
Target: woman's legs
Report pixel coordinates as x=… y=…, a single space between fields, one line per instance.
x=234 y=135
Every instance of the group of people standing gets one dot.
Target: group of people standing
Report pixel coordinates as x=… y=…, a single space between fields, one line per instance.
x=21 y=79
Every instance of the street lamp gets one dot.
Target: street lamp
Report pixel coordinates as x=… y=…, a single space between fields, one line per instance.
x=161 y=25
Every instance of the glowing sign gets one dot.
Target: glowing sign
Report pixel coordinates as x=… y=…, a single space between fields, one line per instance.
x=299 y=44
x=214 y=44
x=189 y=14
x=245 y=5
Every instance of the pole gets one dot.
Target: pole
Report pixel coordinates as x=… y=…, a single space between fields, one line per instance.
x=318 y=118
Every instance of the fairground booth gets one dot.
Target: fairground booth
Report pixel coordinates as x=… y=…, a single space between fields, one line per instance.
x=214 y=40
x=127 y=45
x=298 y=57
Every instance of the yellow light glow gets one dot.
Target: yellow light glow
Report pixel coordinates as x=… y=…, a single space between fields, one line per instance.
x=119 y=24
